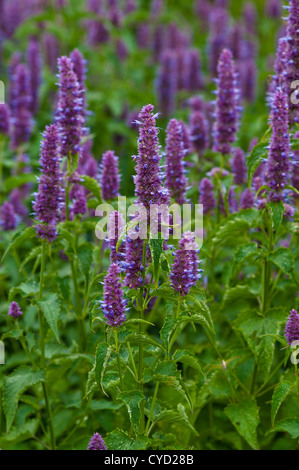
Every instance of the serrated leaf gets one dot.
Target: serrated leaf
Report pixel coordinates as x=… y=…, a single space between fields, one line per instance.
x=103 y=353
x=257 y=156
x=283 y=259
x=280 y=394
x=156 y=247
x=245 y=418
x=245 y=252
x=85 y=255
x=50 y=307
x=256 y=330
x=93 y=186
x=173 y=416
x=119 y=440
x=290 y=425
x=15 y=386
x=185 y=357
x=277 y=211
x=20 y=237
x=132 y=400
x=19 y=433
x=235 y=225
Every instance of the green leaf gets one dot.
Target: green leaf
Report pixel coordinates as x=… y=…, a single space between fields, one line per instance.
x=15 y=386
x=257 y=156
x=85 y=255
x=33 y=255
x=245 y=418
x=119 y=440
x=283 y=259
x=185 y=357
x=29 y=288
x=156 y=247
x=290 y=425
x=93 y=186
x=255 y=329
x=172 y=416
x=168 y=328
x=235 y=225
x=18 y=238
x=51 y=309
x=245 y=252
x=280 y=394
x=17 y=181
x=103 y=353
x=132 y=400
x=19 y=433
x=277 y=211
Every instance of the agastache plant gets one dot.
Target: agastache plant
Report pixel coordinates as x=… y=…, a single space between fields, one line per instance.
x=176 y=181
x=227 y=113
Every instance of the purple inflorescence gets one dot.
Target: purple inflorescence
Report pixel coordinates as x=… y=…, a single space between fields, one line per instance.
x=176 y=181
x=148 y=179
x=4 y=119
x=51 y=46
x=295 y=169
x=48 y=199
x=79 y=66
x=292 y=66
x=184 y=273
x=110 y=178
x=199 y=132
x=232 y=201
x=34 y=65
x=133 y=263
x=291 y=331
x=167 y=82
x=273 y=8
x=239 y=168
x=20 y=107
x=206 y=196
x=280 y=78
x=227 y=114
x=218 y=36
x=70 y=115
x=116 y=227
x=8 y=219
x=16 y=199
x=247 y=199
x=278 y=164
x=250 y=17
x=114 y=304
x=78 y=197
x=15 y=310
x=96 y=443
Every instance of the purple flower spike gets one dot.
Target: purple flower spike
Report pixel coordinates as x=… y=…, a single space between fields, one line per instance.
x=239 y=168
x=51 y=46
x=20 y=107
x=8 y=219
x=15 y=310
x=77 y=195
x=278 y=164
x=227 y=115
x=273 y=8
x=295 y=170
x=184 y=273
x=110 y=178
x=199 y=132
x=186 y=138
x=115 y=229
x=16 y=199
x=96 y=443
x=206 y=198
x=114 y=305
x=70 y=108
x=34 y=65
x=176 y=181
x=48 y=199
x=250 y=17
x=133 y=263
x=167 y=82
x=79 y=66
x=218 y=36
x=148 y=180
x=247 y=199
x=292 y=327
x=293 y=57
x=4 y=119
x=232 y=201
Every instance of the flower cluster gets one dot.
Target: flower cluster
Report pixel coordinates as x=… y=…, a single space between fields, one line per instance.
x=47 y=200
x=110 y=178
x=185 y=273
x=292 y=327
x=97 y=443
x=20 y=107
x=176 y=181
x=114 y=304
x=15 y=310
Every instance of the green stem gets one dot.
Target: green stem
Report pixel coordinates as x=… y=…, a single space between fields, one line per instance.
x=152 y=409
x=80 y=319
x=118 y=359
x=132 y=360
x=42 y=345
